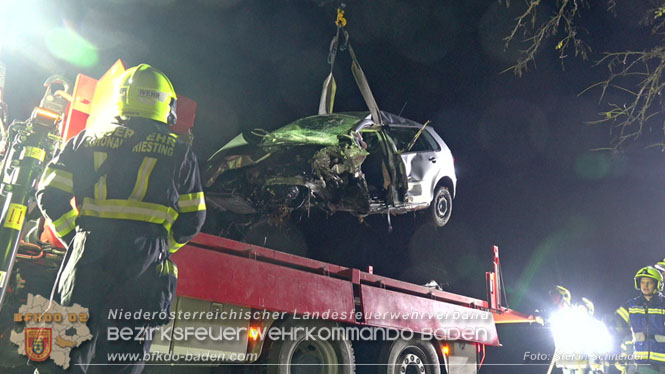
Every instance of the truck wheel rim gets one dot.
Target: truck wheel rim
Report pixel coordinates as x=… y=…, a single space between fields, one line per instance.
x=411 y=363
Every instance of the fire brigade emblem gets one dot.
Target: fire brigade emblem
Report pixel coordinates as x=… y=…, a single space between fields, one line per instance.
x=51 y=332
x=38 y=343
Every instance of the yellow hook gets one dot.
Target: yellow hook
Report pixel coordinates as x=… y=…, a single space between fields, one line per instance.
x=340 y=18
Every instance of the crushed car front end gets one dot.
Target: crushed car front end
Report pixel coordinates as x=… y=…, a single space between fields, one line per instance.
x=311 y=163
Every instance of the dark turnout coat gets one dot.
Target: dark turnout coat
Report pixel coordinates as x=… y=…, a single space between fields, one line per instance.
x=123 y=195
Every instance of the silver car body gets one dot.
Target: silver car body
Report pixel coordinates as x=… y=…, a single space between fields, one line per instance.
x=428 y=161
x=425 y=168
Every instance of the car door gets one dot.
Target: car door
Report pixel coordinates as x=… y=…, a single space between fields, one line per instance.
x=420 y=162
x=383 y=168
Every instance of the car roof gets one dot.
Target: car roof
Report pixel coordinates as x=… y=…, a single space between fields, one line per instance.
x=325 y=129
x=394 y=119
x=343 y=124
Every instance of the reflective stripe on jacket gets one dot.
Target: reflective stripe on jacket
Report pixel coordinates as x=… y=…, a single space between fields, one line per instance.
x=150 y=176
x=647 y=321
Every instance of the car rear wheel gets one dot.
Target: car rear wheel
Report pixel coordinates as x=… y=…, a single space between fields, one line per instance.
x=441 y=207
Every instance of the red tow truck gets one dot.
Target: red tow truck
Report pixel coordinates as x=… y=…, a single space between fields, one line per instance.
x=289 y=314
x=432 y=329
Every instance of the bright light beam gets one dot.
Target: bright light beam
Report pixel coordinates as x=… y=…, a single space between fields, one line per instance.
x=575 y=331
x=30 y=27
x=20 y=22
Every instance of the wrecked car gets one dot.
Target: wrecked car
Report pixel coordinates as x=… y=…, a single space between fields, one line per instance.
x=340 y=162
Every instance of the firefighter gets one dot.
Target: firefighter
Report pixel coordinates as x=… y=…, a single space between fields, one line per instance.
x=560 y=297
x=137 y=198
x=623 y=332
x=644 y=315
x=561 y=301
x=619 y=324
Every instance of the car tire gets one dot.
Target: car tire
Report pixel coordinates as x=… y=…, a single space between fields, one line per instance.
x=441 y=207
x=403 y=356
x=300 y=355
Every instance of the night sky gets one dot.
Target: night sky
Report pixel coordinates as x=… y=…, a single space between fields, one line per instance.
x=528 y=179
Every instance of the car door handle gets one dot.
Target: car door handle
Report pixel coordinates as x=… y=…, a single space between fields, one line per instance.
x=433 y=159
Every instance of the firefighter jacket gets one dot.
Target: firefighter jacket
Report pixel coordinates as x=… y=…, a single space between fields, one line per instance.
x=623 y=339
x=647 y=322
x=118 y=180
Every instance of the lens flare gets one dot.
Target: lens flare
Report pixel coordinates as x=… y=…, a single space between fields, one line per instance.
x=66 y=44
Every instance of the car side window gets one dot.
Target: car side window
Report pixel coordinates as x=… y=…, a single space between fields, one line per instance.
x=431 y=142
x=402 y=137
x=420 y=144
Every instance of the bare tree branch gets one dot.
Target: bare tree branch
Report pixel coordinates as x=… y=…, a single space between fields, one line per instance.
x=640 y=76
x=636 y=75
x=563 y=20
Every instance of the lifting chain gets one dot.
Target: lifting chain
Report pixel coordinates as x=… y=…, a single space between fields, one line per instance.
x=340 y=22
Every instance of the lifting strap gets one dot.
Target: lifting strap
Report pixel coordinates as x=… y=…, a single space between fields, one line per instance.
x=330 y=87
x=363 y=86
x=327 y=101
x=328 y=95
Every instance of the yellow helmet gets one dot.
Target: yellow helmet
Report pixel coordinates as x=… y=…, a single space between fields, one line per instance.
x=649 y=272
x=563 y=293
x=660 y=265
x=588 y=305
x=143 y=91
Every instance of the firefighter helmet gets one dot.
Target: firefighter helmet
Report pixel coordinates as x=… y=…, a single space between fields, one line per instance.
x=588 y=305
x=144 y=91
x=562 y=293
x=649 y=272
x=660 y=265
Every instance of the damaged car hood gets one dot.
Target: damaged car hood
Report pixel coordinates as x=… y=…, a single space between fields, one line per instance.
x=332 y=133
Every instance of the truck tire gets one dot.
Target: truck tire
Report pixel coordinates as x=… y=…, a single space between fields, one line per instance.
x=409 y=356
x=441 y=207
x=306 y=356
